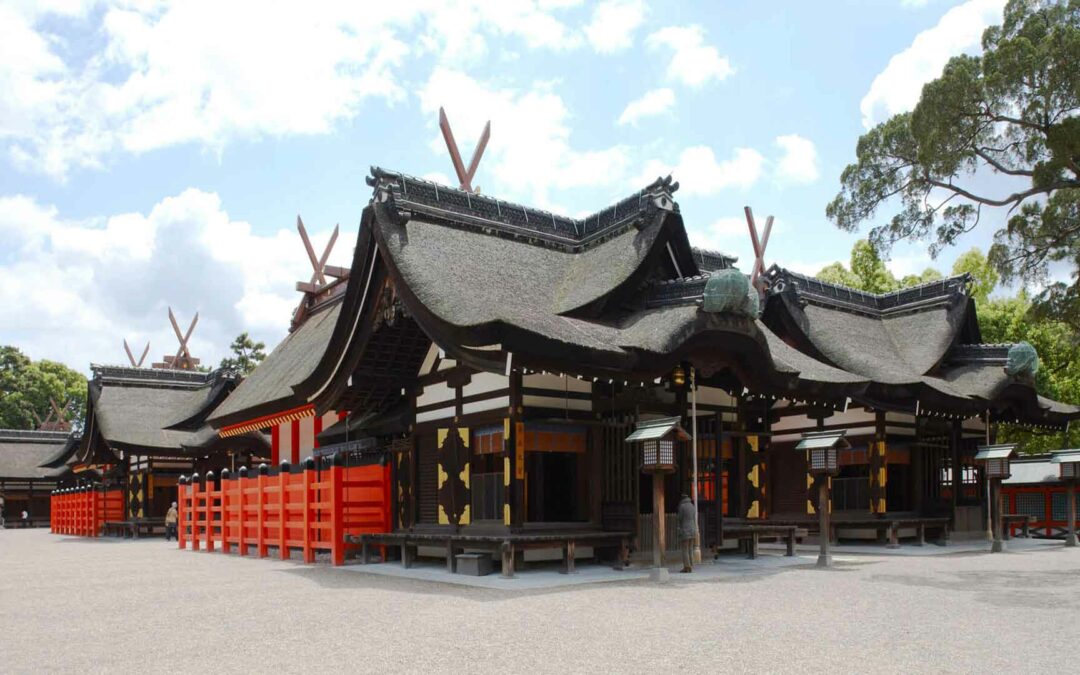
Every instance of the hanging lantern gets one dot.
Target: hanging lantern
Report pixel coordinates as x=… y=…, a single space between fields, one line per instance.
x=678 y=377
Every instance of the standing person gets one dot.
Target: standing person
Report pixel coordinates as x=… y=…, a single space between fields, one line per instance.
x=25 y=519
x=686 y=532
x=171 y=518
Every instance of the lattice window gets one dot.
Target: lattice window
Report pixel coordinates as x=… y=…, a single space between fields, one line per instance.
x=1031 y=504
x=1059 y=504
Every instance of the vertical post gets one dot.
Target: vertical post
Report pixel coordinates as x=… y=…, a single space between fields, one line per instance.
x=181 y=512
x=195 y=511
x=659 y=572
x=208 y=509
x=995 y=502
x=337 y=511
x=309 y=474
x=260 y=501
x=825 y=555
x=694 y=451
x=1070 y=496
x=283 y=509
x=242 y=510
x=224 y=483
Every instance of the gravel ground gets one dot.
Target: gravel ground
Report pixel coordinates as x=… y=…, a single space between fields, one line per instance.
x=78 y=605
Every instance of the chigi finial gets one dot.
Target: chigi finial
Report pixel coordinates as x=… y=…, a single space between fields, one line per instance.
x=465 y=175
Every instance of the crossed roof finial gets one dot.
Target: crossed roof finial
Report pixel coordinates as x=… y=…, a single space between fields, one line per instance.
x=757 y=278
x=465 y=176
x=182 y=360
x=131 y=356
x=319 y=272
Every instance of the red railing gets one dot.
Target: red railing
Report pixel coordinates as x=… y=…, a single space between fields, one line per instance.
x=310 y=510
x=1038 y=501
x=83 y=511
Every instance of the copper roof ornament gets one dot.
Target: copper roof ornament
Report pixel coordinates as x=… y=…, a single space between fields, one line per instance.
x=131 y=356
x=757 y=278
x=323 y=276
x=465 y=176
x=183 y=360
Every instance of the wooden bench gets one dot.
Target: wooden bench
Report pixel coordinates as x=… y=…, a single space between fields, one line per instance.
x=132 y=529
x=752 y=534
x=887 y=528
x=1010 y=519
x=505 y=545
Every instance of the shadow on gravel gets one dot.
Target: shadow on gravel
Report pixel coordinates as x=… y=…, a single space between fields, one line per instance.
x=1009 y=588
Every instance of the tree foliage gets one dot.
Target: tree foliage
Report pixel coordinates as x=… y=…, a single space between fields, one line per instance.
x=1011 y=111
x=867 y=272
x=27 y=386
x=246 y=354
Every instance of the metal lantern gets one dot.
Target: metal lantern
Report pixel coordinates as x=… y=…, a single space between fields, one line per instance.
x=1068 y=462
x=995 y=459
x=824 y=448
x=657 y=441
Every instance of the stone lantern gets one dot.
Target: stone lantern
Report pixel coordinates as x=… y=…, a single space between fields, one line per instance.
x=995 y=462
x=822 y=450
x=656 y=440
x=1068 y=462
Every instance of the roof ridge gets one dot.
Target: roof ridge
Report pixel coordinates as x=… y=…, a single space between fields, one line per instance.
x=878 y=305
x=32 y=435
x=167 y=376
x=490 y=215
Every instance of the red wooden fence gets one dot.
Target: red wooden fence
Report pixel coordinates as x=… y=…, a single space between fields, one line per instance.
x=310 y=510
x=1047 y=503
x=83 y=511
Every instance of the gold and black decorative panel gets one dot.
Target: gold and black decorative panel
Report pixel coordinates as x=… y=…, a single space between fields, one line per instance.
x=453 y=476
x=755 y=478
x=403 y=471
x=878 y=476
x=136 y=495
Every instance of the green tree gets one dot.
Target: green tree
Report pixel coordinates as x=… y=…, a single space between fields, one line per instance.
x=27 y=387
x=984 y=276
x=246 y=354
x=1011 y=111
x=867 y=272
x=1010 y=320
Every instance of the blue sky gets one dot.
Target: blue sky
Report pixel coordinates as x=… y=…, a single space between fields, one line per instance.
x=156 y=154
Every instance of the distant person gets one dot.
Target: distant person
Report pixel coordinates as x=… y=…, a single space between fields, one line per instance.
x=171 y=518
x=25 y=519
x=687 y=532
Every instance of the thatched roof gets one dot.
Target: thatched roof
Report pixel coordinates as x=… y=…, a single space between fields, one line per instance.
x=23 y=452
x=271 y=384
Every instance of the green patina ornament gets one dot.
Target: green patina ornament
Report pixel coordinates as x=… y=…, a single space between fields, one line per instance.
x=726 y=291
x=1023 y=360
x=752 y=304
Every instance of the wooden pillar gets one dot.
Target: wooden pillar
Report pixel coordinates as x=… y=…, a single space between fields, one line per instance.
x=337 y=510
x=283 y=510
x=208 y=510
x=515 y=453
x=824 y=554
x=260 y=505
x=995 y=502
x=659 y=543
x=955 y=470
x=1070 y=496
x=308 y=476
x=223 y=489
x=243 y=484
x=878 y=467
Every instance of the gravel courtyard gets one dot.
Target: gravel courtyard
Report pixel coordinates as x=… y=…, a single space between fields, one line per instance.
x=78 y=605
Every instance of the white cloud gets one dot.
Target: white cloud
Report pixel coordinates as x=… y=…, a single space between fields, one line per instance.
x=799 y=163
x=914 y=3
x=699 y=174
x=693 y=62
x=655 y=102
x=73 y=289
x=205 y=72
x=530 y=151
x=897 y=88
x=613 y=24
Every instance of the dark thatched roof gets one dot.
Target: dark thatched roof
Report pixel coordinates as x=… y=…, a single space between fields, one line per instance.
x=152 y=410
x=23 y=452
x=272 y=382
